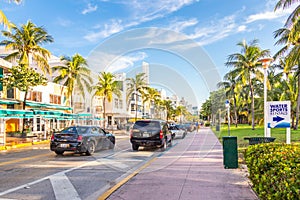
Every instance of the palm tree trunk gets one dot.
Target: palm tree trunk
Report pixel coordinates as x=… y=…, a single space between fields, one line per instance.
x=298 y=104
x=252 y=104
x=136 y=106
x=24 y=119
x=104 y=112
x=235 y=111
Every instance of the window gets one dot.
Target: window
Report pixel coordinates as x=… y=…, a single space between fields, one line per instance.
x=116 y=103
x=34 y=96
x=55 y=99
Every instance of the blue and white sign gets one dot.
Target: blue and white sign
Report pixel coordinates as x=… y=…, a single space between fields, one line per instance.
x=278 y=114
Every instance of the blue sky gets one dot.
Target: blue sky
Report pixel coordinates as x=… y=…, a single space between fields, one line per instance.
x=83 y=26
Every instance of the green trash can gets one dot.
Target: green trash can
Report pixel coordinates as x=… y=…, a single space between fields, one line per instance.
x=127 y=128
x=230 y=152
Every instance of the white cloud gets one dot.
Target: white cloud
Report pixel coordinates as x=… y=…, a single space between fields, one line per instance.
x=89 y=9
x=114 y=26
x=181 y=25
x=124 y=62
x=242 y=28
x=270 y=14
x=141 y=11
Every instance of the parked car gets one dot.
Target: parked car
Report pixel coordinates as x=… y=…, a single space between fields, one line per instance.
x=81 y=139
x=177 y=131
x=150 y=133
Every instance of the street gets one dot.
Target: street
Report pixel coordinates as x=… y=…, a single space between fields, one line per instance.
x=38 y=173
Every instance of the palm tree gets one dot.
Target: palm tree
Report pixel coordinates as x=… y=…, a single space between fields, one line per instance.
x=168 y=107
x=150 y=95
x=230 y=85
x=180 y=111
x=246 y=66
x=106 y=87
x=134 y=86
x=4 y=20
x=74 y=73
x=25 y=43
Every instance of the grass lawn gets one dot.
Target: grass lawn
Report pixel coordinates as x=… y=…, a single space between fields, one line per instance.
x=245 y=130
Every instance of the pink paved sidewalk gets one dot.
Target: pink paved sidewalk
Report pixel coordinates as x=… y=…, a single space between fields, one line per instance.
x=193 y=169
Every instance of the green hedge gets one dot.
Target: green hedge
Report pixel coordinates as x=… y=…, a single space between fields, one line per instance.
x=274 y=170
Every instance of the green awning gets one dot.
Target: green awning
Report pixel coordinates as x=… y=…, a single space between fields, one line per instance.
x=46 y=105
x=10 y=113
x=84 y=114
x=8 y=101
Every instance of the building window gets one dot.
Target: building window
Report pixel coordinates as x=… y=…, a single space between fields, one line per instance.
x=116 y=103
x=55 y=99
x=34 y=96
x=132 y=107
x=120 y=104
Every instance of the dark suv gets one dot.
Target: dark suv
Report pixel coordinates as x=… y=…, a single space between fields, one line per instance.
x=150 y=133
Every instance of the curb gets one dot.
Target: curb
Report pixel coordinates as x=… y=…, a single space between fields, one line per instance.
x=23 y=145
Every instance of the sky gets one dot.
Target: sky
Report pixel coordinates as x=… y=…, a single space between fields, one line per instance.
x=185 y=42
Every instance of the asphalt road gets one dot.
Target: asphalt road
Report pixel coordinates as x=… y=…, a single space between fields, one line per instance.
x=38 y=173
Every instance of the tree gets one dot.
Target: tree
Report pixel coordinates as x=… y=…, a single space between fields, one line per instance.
x=134 y=86
x=24 y=78
x=229 y=85
x=246 y=65
x=150 y=95
x=74 y=73
x=180 y=111
x=106 y=87
x=25 y=43
x=169 y=108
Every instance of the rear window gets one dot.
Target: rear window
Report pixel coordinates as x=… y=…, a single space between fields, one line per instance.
x=75 y=130
x=148 y=124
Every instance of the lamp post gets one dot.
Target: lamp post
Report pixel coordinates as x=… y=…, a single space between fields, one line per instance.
x=265 y=63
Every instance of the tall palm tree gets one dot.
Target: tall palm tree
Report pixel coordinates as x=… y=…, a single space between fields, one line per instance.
x=181 y=111
x=246 y=65
x=134 y=86
x=230 y=85
x=106 y=87
x=25 y=43
x=74 y=73
x=291 y=50
x=150 y=95
x=169 y=108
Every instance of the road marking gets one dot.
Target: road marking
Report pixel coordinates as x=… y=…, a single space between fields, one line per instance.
x=63 y=188
x=126 y=179
x=23 y=159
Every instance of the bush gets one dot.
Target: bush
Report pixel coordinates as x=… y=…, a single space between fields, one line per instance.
x=207 y=124
x=274 y=170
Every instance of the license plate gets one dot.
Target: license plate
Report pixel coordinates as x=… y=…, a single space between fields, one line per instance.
x=64 y=145
x=146 y=135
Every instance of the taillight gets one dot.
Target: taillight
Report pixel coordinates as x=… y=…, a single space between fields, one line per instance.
x=161 y=135
x=52 y=137
x=131 y=133
x=79 y=138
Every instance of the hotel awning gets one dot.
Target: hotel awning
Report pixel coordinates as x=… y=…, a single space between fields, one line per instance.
x=46 y=105
x=8 y=101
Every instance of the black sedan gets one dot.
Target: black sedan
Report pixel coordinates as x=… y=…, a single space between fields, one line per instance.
x=81 y=139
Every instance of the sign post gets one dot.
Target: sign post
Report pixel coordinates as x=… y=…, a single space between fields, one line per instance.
x=278 y=116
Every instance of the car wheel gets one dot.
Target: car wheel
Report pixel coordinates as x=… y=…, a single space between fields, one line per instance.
x=90 y=149
x=135 y=147
x=59 y=152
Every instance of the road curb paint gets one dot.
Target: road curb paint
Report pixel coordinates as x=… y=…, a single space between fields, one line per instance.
x=106 y=194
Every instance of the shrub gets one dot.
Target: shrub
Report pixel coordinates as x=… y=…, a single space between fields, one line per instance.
x=274 y=170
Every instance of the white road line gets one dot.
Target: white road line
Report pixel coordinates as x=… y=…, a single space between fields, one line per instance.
x=63 y=188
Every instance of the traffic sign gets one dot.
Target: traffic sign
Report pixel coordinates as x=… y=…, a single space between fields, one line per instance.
x=278 y=114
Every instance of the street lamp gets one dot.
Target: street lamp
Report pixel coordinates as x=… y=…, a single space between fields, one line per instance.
x=265 y=63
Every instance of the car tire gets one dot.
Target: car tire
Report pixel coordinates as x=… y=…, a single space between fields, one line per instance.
x=90 y=148
x=135 y=147
x=59 y=152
